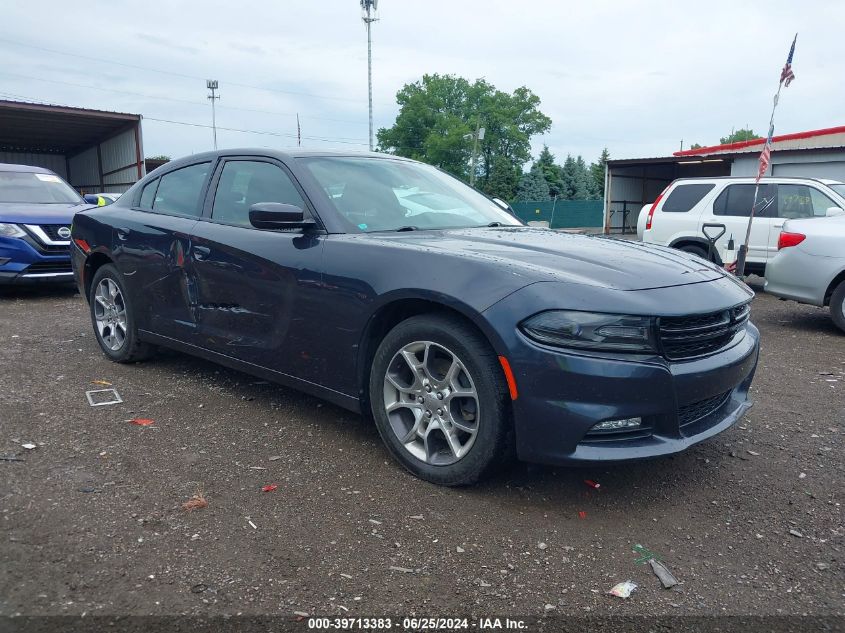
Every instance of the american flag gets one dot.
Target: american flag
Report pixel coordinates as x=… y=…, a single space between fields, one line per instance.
x=786 y=75
x=766 y=154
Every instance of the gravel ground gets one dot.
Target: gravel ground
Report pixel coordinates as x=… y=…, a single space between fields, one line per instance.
x=750 y=522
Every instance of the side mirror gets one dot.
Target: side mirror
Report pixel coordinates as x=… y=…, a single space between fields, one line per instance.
x=834 y=211
x=503 y=204
x=276 y=215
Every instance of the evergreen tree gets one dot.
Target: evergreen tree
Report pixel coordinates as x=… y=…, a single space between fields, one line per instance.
x=504 y=178
x=533 y=186
x=551 y=171
x=597 y=174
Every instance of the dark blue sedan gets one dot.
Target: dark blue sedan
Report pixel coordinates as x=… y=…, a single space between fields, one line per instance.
x=394 y=290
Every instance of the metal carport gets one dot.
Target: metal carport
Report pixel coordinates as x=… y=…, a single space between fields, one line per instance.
x=93 y=150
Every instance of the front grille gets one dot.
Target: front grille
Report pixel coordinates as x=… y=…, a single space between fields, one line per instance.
x=697 y=410
x=700 y=334
x=49 y=267
x=52 y=231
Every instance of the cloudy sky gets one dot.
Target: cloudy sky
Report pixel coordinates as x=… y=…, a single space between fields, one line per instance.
x=636 y=77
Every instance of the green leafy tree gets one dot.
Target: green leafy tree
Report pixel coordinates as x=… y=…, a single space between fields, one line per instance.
x=158 y=157
x=438 y=118
x=696 y=146
x=739 y=135
x=504 y=178
x=533 y=186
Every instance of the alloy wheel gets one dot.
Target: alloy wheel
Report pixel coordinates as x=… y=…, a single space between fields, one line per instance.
x=431 y=403
x=110 y=314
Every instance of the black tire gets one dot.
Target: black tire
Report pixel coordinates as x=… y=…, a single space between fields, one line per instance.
x=837 y=306
x=132 y=348
x=695 y=250
x=492 y=446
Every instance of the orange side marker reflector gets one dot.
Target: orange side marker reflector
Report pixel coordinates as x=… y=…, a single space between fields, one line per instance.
x=83 y=245
x=506 y=366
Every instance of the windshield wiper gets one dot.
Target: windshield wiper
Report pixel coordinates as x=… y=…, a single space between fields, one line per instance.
x=407 y=228
x=495 y=224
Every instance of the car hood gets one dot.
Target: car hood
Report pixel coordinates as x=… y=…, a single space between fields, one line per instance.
x=547 y=255
x=28 y=213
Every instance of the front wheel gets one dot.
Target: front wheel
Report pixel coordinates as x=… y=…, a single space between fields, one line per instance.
x=113 y=319
x=837 y=306
x=440 y=401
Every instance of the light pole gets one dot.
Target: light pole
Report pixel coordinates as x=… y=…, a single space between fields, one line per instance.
x=211 y=84
x=368 y=9
x=478 y=136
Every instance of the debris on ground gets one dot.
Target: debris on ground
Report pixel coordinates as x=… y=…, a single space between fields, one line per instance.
x=582 y=514
x=254 y=527
x=104 y=383
x=459 y=549
x=141 y=421
x=542 y=545
x=29 y=446
x=662 y=572
x=103 y=400
x=416 y=517
x=592 y=484
x=275 y=458
x=796 y=533
x=199 y=588
x=269 y=488
x=646 y=554
x=623 y=589
x=300 y=615
x=755 y=453
x=196 y=502
x=404 y=570
x=11 y=458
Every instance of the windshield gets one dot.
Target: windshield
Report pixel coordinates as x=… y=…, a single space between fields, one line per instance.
x=31 y=187
x=376 y=194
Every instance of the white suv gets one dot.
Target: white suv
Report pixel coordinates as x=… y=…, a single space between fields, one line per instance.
x=677 y=216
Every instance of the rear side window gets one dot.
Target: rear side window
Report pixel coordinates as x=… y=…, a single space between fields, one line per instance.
x=736 y=200
x=244 y=183
x=685 y=197
x=179 y=191
x=148 y=195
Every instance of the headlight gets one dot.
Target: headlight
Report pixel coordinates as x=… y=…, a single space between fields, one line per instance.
x=592 y=330
x=11 y=230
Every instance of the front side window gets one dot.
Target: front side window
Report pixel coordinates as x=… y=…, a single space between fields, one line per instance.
x=821 y=203
x=685 y=197
x=35 y=188
x=244 y=183
x=179 y=191
x=378 y=194
x=736 y=200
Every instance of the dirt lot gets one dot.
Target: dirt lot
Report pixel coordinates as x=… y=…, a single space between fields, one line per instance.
x=750 y=522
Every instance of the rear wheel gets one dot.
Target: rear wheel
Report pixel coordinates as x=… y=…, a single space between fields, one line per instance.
x=113 y=319
x=695 y=250
x=837 y=306
x=439 y=400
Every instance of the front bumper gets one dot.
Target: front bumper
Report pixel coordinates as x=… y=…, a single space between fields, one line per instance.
x=22 y=262
x=680 y=403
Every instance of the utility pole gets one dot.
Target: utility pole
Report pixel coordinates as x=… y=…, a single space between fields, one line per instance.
x=368 y=8
x=479 y=135
x=298 y=132
x=211 y=84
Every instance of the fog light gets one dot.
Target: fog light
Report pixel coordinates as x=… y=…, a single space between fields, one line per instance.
x=618 y=425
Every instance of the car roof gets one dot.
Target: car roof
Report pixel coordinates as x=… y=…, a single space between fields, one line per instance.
x=284 y=155
x=824 y=181
x=25 y=168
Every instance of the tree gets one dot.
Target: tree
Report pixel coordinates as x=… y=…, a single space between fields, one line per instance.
x=533 y=186
x=550 y=171
x=158 y=157
x=739 y=135
x=577 y=181
x=439 y=115
x=696 y=146
x=597 y=174
x=504 y=178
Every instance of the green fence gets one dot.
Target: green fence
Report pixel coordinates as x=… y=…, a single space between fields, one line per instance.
x=562 y=214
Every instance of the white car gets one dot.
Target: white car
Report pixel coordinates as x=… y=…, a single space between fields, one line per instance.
x=678 y=215
x=809 y=266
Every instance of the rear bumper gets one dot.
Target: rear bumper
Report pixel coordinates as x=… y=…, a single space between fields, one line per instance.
x=794 y=274
x=21 y=263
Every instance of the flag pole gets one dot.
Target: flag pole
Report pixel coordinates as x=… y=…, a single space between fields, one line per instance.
x=742 y=253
